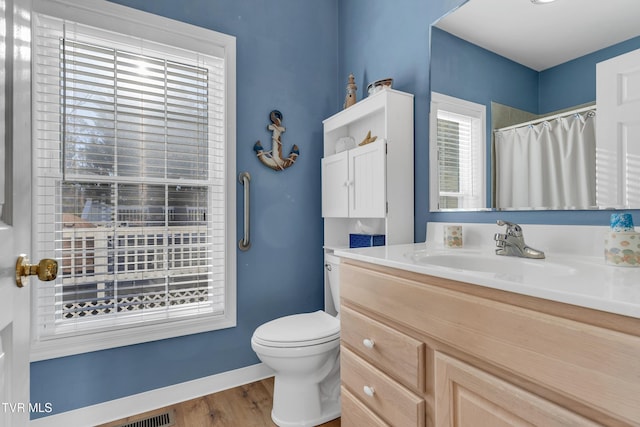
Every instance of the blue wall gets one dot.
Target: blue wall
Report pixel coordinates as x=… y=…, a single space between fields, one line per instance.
x=286 y=60
x=467 y=71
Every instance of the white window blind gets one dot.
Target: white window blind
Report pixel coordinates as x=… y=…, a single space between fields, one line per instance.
x=130 y=180
x=455 y=158
x=459 y=139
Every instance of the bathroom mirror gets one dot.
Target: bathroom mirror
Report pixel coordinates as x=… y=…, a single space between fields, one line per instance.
x=525 y=61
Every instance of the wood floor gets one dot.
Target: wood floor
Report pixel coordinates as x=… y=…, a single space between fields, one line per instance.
x=245 y=406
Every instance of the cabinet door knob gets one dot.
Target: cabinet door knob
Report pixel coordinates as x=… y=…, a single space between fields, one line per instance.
x=369 y=343
x=369 y=391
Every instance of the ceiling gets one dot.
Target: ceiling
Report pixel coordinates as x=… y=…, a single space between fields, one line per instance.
x=542 y=36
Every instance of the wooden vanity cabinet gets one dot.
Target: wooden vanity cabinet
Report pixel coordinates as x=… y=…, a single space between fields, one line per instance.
x=419 y=350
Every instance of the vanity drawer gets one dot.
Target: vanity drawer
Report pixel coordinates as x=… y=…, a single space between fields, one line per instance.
x=385 y=347
x=379 y=392
x=355 y=413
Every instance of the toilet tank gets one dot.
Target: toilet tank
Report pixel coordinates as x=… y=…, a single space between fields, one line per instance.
x=332 y=283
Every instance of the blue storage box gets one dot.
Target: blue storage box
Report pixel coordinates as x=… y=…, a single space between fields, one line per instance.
x=366 y=240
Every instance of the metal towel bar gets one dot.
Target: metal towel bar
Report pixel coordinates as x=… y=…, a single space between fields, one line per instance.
x=245 y=243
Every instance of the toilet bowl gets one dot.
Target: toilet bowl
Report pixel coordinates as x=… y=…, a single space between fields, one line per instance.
x=304 y=351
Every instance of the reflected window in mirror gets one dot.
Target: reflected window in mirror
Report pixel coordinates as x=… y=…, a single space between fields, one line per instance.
x=457 y=145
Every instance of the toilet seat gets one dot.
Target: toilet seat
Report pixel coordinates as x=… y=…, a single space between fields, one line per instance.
x=298 y=330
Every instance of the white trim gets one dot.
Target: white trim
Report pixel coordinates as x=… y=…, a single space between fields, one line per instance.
x=63 y=346
x=134 y=22
x=143 y=402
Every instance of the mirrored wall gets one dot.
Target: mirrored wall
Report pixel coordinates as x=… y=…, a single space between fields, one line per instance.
x=534 y=70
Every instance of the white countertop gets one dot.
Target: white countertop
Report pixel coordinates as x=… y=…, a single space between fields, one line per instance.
x=582 y=280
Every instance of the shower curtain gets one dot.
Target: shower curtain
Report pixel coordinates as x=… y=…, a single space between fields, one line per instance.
x=549 y=164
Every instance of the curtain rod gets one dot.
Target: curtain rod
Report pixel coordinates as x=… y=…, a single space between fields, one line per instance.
x=547 y=118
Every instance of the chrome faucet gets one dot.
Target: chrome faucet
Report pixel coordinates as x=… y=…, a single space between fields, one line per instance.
x=512 y=242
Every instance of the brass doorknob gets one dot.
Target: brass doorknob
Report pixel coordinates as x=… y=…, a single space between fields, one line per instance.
x=46 y=269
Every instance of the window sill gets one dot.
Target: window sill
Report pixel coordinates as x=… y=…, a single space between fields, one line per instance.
x=77 y=344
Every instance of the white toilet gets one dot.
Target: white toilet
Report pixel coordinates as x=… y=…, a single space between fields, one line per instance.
x=304 y=352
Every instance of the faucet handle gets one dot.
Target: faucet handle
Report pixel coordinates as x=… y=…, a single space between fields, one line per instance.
x=500 y=240
x=513 y=229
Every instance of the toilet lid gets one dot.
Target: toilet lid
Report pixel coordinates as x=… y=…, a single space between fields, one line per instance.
x=298 y=330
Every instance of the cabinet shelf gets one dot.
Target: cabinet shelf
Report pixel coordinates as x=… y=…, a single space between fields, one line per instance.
x=366 y=107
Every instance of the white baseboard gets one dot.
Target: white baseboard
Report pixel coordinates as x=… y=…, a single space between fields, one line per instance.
x=154 y=399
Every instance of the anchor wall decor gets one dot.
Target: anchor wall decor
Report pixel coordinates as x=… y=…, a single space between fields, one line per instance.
x=273 y=158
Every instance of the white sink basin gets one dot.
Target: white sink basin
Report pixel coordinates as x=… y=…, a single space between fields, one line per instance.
x=574 y=271
x=495 y=264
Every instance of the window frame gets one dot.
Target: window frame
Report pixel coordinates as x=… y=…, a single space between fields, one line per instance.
x=126 y=23
x=457 y=106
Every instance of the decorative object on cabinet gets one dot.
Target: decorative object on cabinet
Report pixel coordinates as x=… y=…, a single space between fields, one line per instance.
x=368 y=139
x=350 y=99
x=273 y=158
x=345 y=143
x=379 y=85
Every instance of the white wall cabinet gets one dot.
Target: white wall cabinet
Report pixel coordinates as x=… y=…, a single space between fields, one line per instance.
x=369 y=186
x=353 y=182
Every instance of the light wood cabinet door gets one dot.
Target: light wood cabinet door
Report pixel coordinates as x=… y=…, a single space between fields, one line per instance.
x=466 y=396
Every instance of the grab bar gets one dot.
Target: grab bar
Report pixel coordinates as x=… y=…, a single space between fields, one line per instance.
x=245 y=243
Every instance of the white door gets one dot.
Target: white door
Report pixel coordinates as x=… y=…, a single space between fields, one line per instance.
x=618 y=131
x=367 y=183
x=15 y=233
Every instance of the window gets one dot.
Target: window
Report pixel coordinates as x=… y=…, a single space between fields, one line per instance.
x=134 y=158
x=457 y=146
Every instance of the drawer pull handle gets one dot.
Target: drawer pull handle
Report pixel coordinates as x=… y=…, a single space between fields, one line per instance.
x=369 y=391
x=368 y=343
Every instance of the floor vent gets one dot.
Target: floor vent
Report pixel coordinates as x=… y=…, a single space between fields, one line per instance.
x=166 y=419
